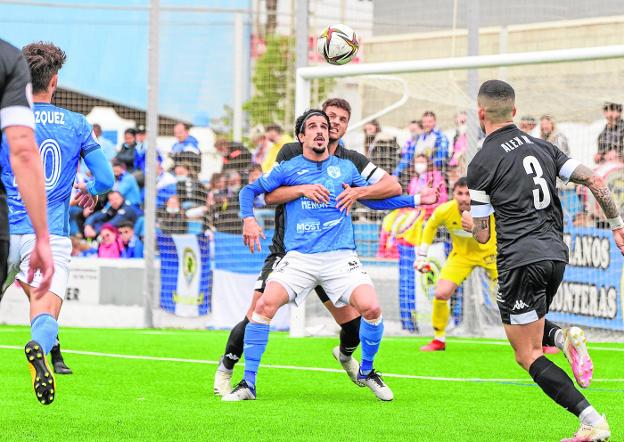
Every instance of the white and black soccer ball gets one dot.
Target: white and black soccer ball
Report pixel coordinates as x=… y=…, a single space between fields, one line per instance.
x=338 y=44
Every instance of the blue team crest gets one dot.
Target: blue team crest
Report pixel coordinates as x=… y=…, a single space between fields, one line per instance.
x=333 y=171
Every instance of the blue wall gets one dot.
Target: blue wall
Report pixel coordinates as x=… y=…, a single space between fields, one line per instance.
x=107 y=51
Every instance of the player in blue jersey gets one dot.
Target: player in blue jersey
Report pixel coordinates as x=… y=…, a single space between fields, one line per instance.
x=320 y=246
x=64 y=138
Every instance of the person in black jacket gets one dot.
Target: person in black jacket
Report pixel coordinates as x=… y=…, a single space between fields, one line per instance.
x=127 y=151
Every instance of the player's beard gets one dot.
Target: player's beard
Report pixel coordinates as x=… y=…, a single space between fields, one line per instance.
x=319 y=150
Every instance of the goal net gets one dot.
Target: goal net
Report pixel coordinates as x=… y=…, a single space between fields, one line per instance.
x=560 y=96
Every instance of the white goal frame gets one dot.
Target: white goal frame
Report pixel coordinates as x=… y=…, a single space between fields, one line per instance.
x=305 y=75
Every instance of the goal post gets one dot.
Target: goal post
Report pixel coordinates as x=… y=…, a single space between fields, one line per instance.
x=368 y=77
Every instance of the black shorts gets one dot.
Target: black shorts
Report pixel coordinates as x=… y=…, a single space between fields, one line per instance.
x=4 y=262
x=270 y=263
x=525 y=293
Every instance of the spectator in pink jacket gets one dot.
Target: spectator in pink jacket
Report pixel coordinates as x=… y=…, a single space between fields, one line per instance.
x=111 y=245
x=427 y=176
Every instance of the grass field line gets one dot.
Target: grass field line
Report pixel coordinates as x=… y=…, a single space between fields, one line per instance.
x=289 y=367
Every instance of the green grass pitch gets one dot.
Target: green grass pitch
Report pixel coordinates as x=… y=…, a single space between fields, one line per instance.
x=113 y=398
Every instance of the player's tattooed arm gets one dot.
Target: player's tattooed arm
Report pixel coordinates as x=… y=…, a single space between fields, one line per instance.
x=480 y=229
x=585 y=176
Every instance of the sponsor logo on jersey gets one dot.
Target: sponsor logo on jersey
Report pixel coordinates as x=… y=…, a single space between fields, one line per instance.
x=519 y=305
x=307 y=204
x=332 y=223
x=333 y=171
x=51 y=117
x=301 y=172
x=314 y=226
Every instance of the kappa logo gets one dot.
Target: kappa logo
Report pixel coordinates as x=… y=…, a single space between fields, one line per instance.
x=519 y=305
x=353 y=265
x=333 y=171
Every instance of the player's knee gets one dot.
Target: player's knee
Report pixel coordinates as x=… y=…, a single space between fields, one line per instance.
x=525 y=358
x=266 y=307
x=371 y=312
x=441 y=294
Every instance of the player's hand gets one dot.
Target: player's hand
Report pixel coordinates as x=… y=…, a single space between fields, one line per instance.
x=315 y=192
x=422 y=264
x=41 y=261
x=348 y=197
x=252 y=234
x=83 y=198
x=618 y=236
x=429 y=196
x=89 y=232
x=467 y=222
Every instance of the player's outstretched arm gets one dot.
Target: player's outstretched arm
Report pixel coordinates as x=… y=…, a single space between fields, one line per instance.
x=386 y=187
x=28 y=170
x=252 y=232
x=285 y=194
x=585 y=176
x=103 y=179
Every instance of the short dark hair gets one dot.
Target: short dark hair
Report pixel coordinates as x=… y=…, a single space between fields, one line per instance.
x=429 y=114
x=253 y=168
x=500 y=98
x=126 y=223
x=340 y=103
x=44 y=60
x=117 y=162
x=274 y=126
x=417 y=123
x=461 y=182
x=187 y=127
x=528 y=118
x=300 y=123
x=130 y=131
x=612 y=106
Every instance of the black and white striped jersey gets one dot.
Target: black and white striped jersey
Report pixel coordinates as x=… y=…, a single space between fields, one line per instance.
x=514 y=177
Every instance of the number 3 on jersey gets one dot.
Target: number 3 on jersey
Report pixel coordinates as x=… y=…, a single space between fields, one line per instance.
x=532 y=167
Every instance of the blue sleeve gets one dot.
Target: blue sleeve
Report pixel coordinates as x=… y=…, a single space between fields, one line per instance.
x=396 y=202
x=441 y=153
x=102 y=172
x=406 y=159
x=87 y=140
x=246 y=198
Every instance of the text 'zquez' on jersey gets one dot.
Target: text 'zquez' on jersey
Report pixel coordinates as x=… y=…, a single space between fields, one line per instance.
x=514 y=176
x=64 y=137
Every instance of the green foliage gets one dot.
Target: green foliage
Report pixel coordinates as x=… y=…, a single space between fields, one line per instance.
x=273 y=95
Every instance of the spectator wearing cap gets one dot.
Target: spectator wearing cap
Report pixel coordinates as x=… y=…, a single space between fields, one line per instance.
x=432 y=143
x=107 y=146
x=110 y=245
x=115 y=212
x=127 y=150
x=611 y=139
x=275 y=134
x=527 y=124
x=236 y=157
x=133 y=247
x=141 y=150
x=126 y=184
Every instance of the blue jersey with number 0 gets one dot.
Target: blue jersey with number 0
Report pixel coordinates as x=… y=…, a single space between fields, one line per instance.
x=63 y=138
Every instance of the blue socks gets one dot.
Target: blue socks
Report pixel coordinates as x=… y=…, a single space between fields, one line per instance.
x=44 y=329
x=256 y=339
x=370 y=337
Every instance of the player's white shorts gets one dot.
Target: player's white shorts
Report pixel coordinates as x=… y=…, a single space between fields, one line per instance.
x=19 y=260
x=338 y=272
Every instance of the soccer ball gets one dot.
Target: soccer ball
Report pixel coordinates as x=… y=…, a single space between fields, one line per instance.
x=338 y=44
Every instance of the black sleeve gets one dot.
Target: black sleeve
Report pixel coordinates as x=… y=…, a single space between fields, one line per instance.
x=479 y=177
x=288 y=152
x=15 y=91
x=369 y=170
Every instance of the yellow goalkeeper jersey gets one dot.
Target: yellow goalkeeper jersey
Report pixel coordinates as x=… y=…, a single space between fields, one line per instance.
x=464 y=244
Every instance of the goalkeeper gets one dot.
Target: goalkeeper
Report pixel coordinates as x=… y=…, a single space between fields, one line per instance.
x=466 y=254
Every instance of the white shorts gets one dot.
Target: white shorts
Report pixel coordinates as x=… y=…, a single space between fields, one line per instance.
x=338 y=272
x=19 y=261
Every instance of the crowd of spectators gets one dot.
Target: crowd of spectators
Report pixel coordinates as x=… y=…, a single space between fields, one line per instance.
x=430 y=157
